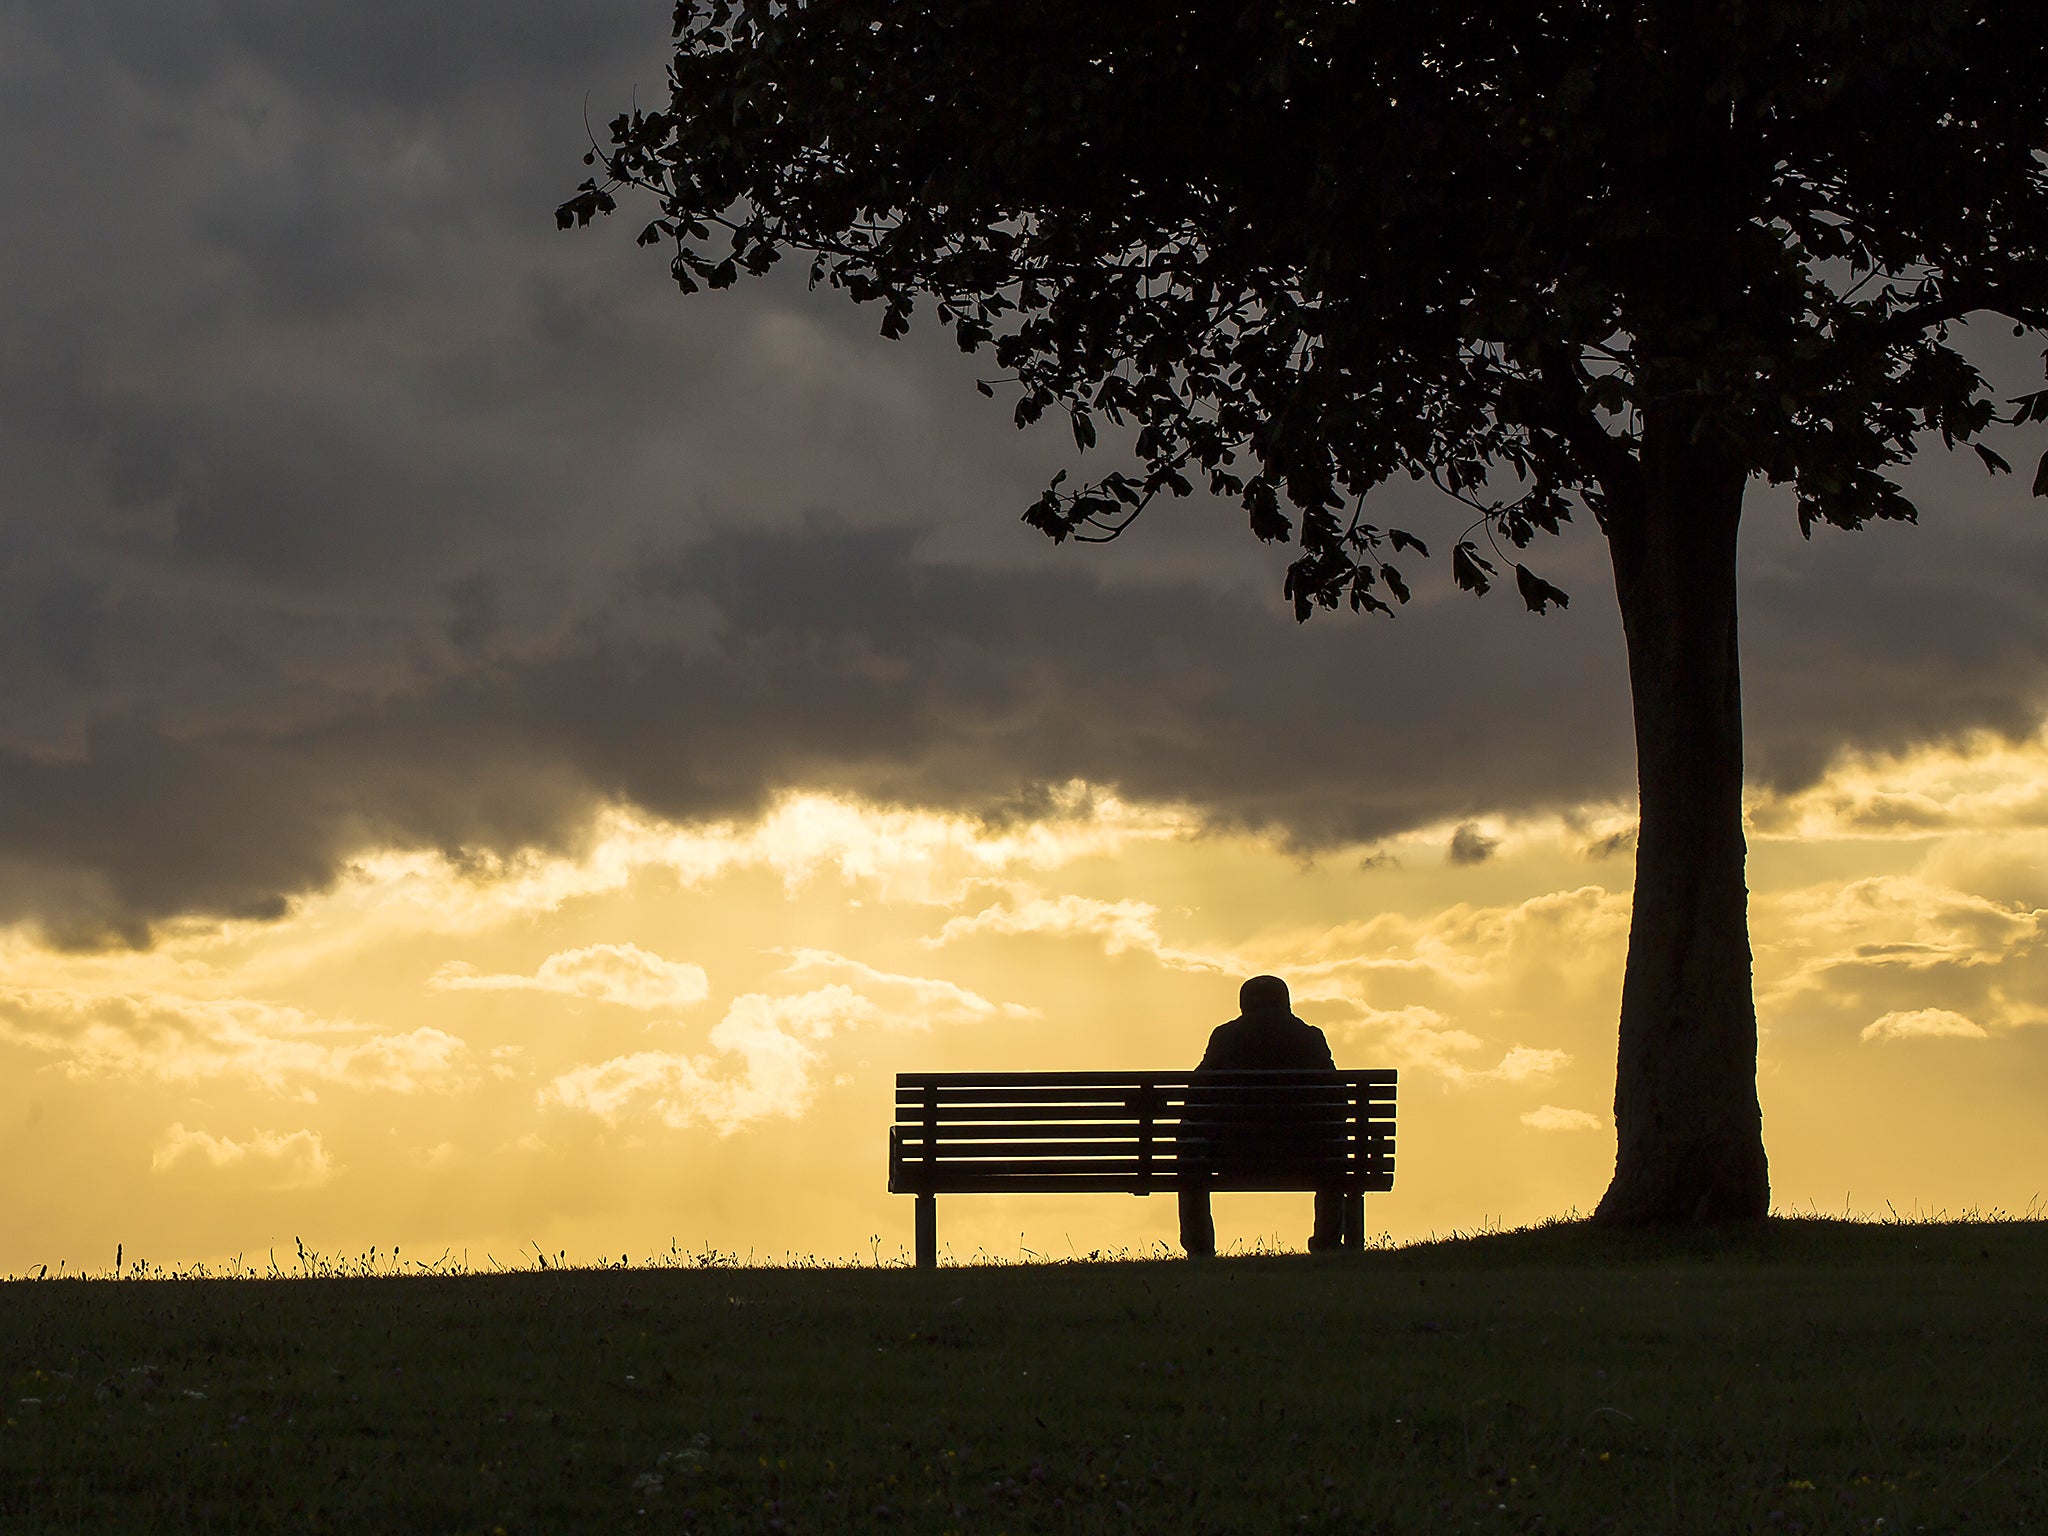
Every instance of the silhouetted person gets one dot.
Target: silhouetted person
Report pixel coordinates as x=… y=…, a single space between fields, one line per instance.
x=1265 y=1036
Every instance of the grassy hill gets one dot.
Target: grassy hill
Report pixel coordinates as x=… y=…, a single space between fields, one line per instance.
x=1808 y=1376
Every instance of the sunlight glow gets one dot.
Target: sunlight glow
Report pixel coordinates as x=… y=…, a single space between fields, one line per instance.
x=691 y=1032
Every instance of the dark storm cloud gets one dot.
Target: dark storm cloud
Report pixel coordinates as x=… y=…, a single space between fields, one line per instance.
x=1469 y=845
x=346 y=502
x=825 y=655
x=1895 y=635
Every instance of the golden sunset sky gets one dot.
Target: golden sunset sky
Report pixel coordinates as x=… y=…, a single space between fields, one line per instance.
x=495 y=754
x=687 y=1034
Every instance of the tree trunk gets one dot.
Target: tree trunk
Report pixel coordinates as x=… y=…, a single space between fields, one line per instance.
x=1688 y=1125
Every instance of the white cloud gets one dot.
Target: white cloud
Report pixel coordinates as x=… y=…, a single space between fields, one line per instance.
x=1549 y=1117
x=624 y=974
x=920 y=857
x=270 y=1159
x=1899 y=956
x=1575 y=937
x=1525 y=1063
x=770 y=1044
x=1924 y=1024
x=907 y=1001
x=1411 y=1037
x=1419 y=1039
x=183 y=1039
x=1982 y=783
x=926 y=856
x=1896 y=921
x=765 y=1053
x=1121 y=926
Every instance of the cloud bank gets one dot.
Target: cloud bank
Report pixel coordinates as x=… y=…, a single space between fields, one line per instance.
x=766 y=1052
x=269 y=1159
x=174 y=1039
x=624 y=974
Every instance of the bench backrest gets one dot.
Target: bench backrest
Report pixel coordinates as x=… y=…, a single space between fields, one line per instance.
x=961 y=1132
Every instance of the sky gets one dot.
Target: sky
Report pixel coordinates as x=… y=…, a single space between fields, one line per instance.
x=497 y=755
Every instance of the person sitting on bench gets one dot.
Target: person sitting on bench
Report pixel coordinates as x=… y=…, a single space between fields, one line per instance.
x=1265 y=1036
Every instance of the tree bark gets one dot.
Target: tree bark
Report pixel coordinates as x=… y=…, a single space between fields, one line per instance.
x=1688 y=1125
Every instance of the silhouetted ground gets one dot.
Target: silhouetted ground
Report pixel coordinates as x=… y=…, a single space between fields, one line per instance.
x=1808 y=1376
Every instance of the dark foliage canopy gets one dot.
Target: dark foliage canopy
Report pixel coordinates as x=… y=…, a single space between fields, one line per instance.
x=1299 y=247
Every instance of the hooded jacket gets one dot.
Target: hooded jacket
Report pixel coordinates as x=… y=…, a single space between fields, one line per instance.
x=1266 y=1039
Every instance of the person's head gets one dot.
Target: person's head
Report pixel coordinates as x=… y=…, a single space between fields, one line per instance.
x=1263 y=992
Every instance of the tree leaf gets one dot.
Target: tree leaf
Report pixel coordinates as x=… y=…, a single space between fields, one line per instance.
x=1992 y=461
x=1538 y=593
x=2041 y=477
x=590 y=200
x=1469 y=569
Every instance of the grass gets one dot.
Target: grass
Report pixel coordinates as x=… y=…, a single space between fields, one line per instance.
x=1808 y=1376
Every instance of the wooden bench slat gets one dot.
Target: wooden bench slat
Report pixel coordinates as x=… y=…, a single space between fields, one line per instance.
x=968 y=1113
x=1029 y=1184
x=1034 y=1093
x=1156 y=1178
x=972 y=1151
x=945 y=1080
x=1125 y=1127
x=945 y=1150
x=1164 y=1133
x=1165 y=1107
x=958 y=1082
x=1164 y=1179
x=1207 y=1136
x=1033 y=1182
x=1120 y=1083
x=979 y=1154
x=1078 y=1115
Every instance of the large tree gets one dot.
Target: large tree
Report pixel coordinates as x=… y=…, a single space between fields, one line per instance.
x=1624 y=257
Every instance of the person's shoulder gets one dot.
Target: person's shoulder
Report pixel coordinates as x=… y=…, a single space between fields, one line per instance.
x=1220 y=1040
x=1229 y=1027
x=1312 y=1036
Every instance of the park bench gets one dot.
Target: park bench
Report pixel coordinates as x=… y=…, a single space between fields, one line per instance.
x=1139 y=1133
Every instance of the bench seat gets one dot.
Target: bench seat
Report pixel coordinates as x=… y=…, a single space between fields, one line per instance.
x=1137 y=1133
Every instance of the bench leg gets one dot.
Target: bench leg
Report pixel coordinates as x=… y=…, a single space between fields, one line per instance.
x=927 y=1231
x=1354 y=1221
